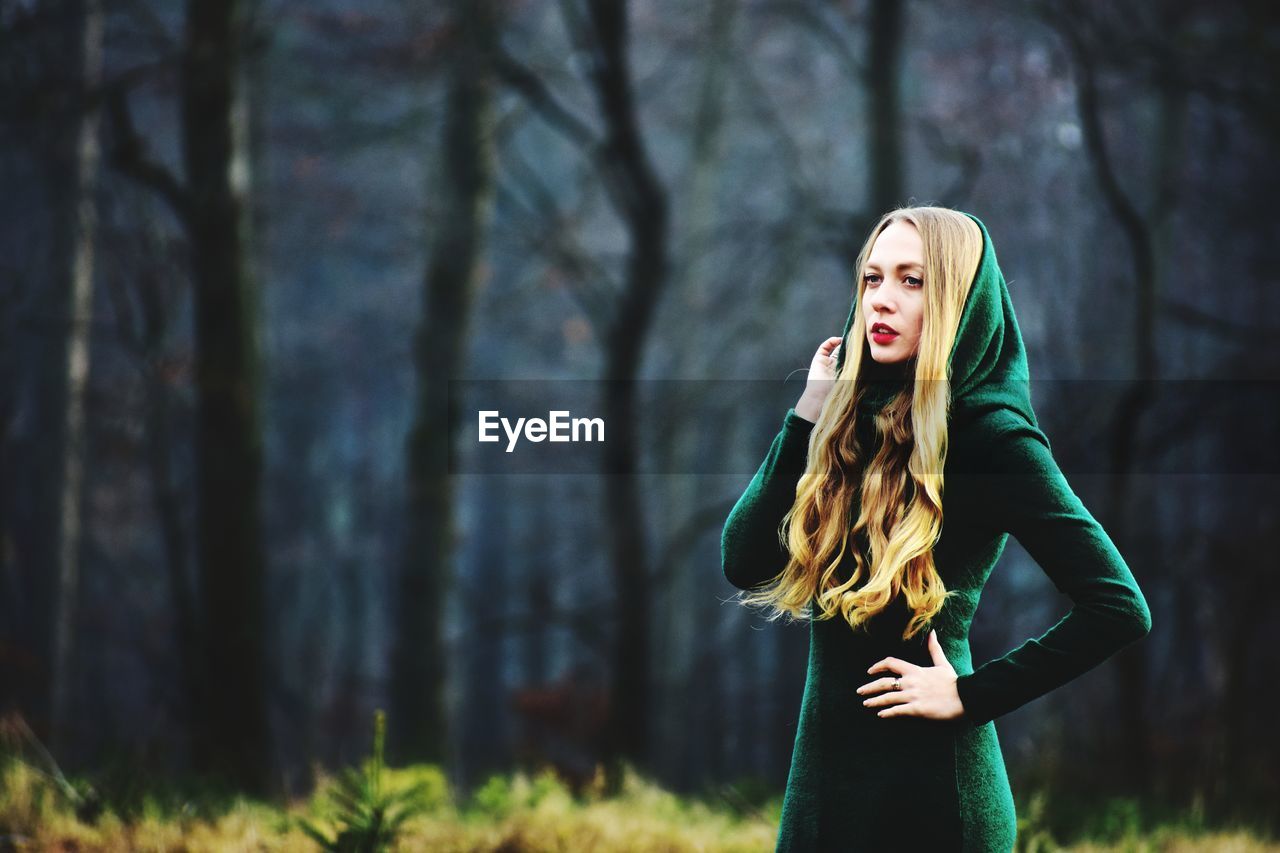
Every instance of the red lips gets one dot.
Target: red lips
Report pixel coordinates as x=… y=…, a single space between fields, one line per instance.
x=883 y=328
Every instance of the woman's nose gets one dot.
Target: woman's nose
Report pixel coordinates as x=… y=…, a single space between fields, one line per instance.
x=879 y=301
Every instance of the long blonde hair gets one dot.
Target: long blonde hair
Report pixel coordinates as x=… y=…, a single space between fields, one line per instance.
x=898 y=492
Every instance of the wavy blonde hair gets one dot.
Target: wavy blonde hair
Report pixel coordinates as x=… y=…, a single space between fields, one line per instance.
x=898 y=491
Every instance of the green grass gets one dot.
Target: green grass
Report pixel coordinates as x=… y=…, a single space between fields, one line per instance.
x=513 y=812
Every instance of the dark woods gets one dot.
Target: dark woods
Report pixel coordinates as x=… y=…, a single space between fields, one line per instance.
x=247 y=246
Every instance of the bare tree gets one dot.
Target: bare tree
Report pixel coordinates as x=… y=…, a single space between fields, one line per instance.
x=51 y=71
x=638 y=197
x=77 y=284
x=212 y=204
x=1147 y=234
x=455 y=270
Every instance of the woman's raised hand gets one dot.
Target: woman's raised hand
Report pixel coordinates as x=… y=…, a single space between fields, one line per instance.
x=822 y=375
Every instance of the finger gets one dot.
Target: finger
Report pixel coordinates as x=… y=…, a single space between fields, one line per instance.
x=935 y=650
x=876 y=686
x=901 y=667
x=893 y=697
x=907 y=709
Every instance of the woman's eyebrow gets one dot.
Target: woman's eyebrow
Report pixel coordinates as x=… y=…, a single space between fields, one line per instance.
x=901 y=266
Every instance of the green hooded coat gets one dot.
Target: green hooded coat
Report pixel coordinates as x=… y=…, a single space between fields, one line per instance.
x=863 y=782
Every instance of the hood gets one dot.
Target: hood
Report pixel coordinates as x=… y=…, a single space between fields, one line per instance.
x=988 y=360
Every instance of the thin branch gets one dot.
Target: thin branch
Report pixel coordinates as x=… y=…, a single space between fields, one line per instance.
x=812 y=19
x=128 y=153
x=757 y=96
x=529 y=85
x=1089 y=109
x=142 y=13
x=553 y=238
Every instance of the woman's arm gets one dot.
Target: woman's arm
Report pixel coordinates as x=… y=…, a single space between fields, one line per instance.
x=750 y=552
x=1030 y=498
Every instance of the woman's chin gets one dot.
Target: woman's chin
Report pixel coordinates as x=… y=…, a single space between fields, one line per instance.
x=887 y=357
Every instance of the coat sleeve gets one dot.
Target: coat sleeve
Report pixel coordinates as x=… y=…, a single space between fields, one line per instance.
x=750 y=551
x=1029 y=497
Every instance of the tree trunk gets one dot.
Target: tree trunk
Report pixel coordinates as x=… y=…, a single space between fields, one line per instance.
x=640 y=200
x=1144 y=234
x=886 y=145
x=234 y=740
x=483 y=739
x=678 y=583
x=455 y=271
x=78 y=278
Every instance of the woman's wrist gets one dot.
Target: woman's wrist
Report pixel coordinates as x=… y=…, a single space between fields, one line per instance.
x=808 y=407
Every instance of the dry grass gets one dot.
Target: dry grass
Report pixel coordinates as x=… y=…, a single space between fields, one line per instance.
x=1179 y=842
x=510 y=813
x=514 y=813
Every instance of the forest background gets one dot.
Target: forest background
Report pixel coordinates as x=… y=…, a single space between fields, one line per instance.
x=258 y=257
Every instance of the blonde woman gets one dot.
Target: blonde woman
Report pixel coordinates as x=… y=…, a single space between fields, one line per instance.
x=919 y=413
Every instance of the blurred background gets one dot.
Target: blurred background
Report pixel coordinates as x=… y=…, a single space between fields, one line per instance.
x=255 y=254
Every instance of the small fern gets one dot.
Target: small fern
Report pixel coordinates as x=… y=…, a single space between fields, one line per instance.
x=369 y=818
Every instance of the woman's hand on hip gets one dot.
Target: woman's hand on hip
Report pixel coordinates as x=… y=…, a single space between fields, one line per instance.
x=926 y=691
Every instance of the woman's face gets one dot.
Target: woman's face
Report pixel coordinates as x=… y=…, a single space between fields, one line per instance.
x=894 y=293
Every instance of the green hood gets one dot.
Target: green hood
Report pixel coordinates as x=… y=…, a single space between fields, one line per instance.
x=988 y=361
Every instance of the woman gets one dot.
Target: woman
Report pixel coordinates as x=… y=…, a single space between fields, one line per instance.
x=843 y=524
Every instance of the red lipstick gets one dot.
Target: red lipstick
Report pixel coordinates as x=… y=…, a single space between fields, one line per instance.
x=883 y=333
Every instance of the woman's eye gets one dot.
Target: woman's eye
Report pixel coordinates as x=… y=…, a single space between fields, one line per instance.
x=873 y=279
